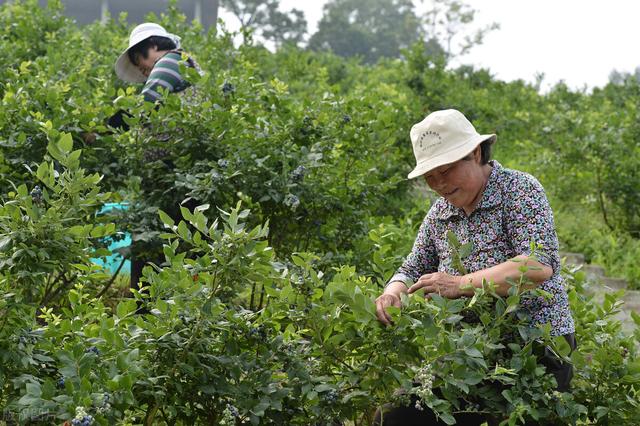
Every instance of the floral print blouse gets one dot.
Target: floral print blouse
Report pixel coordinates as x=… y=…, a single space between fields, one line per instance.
x=512 y=213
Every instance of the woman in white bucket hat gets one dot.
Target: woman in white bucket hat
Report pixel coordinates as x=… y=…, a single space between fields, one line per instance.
x=500 y=212
x=153 y=57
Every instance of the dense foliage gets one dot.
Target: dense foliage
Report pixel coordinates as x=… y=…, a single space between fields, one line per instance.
x=278 y=190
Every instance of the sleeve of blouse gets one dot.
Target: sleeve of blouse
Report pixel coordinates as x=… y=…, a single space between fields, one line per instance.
x=164 y=75
x=529 y=219
x=423 y=258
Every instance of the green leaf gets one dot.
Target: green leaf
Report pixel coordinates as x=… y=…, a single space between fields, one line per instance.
x=562 y=346
x=323 y=387
x=65 y=143
x=447 y=418
x=42 y=172
x=183 y=231
x=74 y=159
x=513 y=303
x=466 y=249
x=166 y=219
x=23 y=191
x=473 y=352
x=33 y=389
x=298 y=261
x=4 y=242
x=80 y=230
x=186 y=214
x=453 y=240
x=126 y=307
x=394 y=312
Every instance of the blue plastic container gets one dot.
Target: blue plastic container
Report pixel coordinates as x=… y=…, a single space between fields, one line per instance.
x=112 y=262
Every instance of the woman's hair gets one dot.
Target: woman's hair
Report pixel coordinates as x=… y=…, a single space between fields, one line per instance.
x=485 y=152
x=142 y=48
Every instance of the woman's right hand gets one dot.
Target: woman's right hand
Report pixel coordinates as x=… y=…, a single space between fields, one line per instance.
x=382 y=303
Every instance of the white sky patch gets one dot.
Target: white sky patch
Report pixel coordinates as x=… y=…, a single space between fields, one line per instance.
x=577 y=41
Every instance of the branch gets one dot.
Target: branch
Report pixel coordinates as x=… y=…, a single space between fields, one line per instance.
x=113 y=278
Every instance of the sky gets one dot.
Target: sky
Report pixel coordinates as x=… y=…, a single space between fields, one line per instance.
x=577 y=41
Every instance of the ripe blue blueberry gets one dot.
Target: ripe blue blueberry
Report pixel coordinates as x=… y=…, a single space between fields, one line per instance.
x=292 y=201
x=233 y=410
x=36 y=194
x=298 y=173
x=228 y=88
x=331 y=396
x=93 y=349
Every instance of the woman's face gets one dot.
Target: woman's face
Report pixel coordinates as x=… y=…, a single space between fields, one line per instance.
x=145 y=65
x=461 y=183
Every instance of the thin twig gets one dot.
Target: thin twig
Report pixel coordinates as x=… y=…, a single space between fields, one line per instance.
x=113 y=278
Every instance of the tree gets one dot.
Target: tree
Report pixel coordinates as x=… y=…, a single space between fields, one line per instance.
x=268 y=21
x=448 y=21
x=382 y=28
x=619 y=77
x=367 y=28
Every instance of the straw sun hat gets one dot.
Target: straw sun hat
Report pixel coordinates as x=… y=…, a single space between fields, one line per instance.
x=443 y=137
x=124 y=68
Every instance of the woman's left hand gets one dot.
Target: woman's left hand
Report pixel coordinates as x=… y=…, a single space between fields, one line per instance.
x=439 y=283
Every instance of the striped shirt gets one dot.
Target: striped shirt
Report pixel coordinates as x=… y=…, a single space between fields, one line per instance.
x=165 y=75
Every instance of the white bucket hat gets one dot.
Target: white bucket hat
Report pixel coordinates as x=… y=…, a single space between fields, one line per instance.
x=443 y=137
x=124 y=68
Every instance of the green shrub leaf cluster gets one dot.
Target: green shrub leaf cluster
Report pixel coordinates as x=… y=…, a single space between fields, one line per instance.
x=273 y=194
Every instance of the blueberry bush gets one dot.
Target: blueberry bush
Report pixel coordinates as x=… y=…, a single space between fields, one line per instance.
x=272 y=197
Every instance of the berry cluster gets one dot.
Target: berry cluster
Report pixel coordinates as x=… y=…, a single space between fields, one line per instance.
x=233 y=410
x=307 y=127
x=291 y=201
x=25 y=340
x=424 y=392
x=36 y=195
x=106 y=404
x=92 y=349
x=298 y=173
x=229 y=415
x=258 y=332
x=331 y=397
x=155 y=154
x=85 y=421
x=82 y=418
x=228 y=89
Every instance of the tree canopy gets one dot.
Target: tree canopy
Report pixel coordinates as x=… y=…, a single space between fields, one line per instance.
x=367 y=28
x=268 y=21
x=373 y=29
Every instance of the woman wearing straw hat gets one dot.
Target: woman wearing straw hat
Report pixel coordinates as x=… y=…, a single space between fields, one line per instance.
x=153 y=57
x=500 y=211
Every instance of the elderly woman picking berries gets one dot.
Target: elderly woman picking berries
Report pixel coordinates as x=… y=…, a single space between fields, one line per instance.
x=500 y=212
